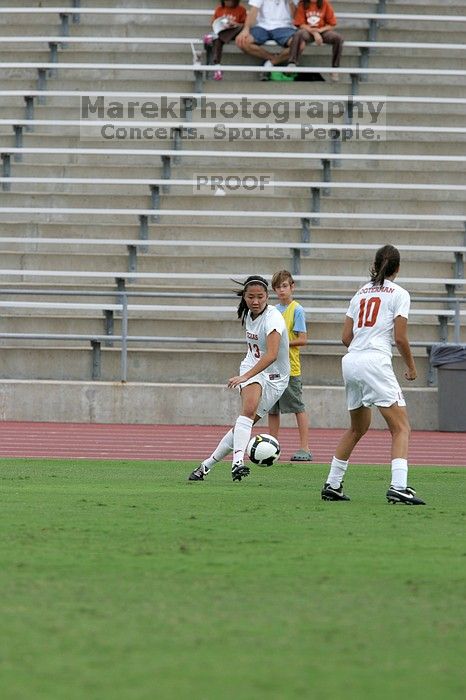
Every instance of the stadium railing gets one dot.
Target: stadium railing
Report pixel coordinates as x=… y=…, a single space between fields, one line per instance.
x=196 y=41
x=177 y=67
x=187 y=182
x=210 y=125
x=270 y=97
x=204 y=153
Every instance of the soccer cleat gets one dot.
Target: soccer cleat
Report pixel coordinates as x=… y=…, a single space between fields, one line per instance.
x=199 y=473
x=328 y=493
x=406 y=496
x=238 y=471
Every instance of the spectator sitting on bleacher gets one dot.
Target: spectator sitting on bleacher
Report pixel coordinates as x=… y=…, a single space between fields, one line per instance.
x=316 y=21
x=227 y=22
x=268 y=20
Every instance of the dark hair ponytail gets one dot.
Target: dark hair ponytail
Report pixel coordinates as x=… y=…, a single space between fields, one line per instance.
x=242 y=306
x=386 y=263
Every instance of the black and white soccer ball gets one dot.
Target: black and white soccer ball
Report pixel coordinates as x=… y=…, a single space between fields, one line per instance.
x=263 y=450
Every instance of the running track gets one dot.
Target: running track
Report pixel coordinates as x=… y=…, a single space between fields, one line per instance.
x=177 y=442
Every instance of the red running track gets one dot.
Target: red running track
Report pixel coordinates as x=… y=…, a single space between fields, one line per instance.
x=194 y=442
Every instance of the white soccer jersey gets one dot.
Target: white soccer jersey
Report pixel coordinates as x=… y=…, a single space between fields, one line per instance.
x=257 y=331
x=373 y=310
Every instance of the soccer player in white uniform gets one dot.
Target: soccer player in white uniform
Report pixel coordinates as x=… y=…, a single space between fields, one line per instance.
x=263 y=376
x=379 y=309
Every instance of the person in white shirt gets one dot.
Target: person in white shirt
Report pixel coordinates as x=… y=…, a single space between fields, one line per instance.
x=268 y=20
x=379 y=309
x=263 y=376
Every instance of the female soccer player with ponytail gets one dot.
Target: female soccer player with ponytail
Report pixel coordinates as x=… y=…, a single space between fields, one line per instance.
x=377 y=310
x=263 y=376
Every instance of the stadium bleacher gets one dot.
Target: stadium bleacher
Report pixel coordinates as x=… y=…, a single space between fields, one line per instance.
x=83 y=218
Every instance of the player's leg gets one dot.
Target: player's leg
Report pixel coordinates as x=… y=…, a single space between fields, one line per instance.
x=223 y=449
x=360 y=422
x=397 y=420
x=250 y=399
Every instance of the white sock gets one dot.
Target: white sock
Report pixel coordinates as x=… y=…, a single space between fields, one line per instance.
x=399 y=473
x=241 y=437
x=224 y=447
x=337 y=472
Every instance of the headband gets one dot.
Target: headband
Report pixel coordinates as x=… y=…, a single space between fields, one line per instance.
x=256 y=281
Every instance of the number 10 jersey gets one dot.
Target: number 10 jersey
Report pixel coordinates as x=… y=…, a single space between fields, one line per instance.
x=373 y=310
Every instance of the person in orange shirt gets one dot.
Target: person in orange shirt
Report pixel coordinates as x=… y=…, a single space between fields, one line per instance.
x=227 y=22
x=316 y=21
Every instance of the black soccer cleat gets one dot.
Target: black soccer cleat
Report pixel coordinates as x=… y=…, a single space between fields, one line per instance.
x=239 y=471
x=406 y=496
x=328 y=493
x=199 y=473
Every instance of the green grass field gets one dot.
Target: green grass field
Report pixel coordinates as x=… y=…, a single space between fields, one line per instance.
x=119 y=580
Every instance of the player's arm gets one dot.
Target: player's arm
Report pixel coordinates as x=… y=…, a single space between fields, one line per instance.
x=402 y=343
x=347 y=333
x=271 y=354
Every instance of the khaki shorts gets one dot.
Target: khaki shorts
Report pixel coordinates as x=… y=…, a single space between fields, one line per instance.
x=291 y=401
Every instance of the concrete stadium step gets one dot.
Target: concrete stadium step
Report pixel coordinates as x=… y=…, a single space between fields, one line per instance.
x=237 y=232
x=423 y=114
x=75 y=363
x=157 y=324
x=132 y=196
x=347 y=171
x=344 y=201
x=200 y=260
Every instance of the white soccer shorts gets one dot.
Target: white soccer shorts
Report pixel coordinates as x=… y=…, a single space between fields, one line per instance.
x=370 y=380
x=272 y=389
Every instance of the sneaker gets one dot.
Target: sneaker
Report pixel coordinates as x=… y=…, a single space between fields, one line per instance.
x=302 y=456
x=238 y=471
x=406 y=496
x=265 y=75
x=208 y=39
x=199 y=473
x=218 y=72
x=328 y=493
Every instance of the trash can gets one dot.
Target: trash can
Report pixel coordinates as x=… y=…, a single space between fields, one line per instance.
x=450 y=360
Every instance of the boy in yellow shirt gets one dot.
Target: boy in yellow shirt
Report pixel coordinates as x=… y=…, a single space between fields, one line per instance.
x=291 y=400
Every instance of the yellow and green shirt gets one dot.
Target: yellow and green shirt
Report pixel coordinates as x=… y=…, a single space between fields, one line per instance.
x=295 y=321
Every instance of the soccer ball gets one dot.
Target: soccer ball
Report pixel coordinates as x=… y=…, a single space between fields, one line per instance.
x=263 y=450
